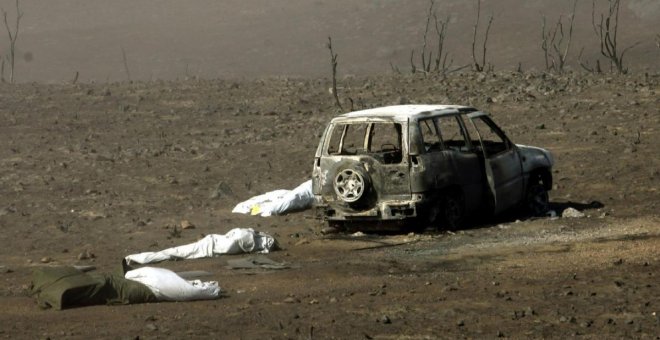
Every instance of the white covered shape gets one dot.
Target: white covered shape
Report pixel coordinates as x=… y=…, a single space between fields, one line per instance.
x=168 y=286
x=236 y=241
x=278 y=202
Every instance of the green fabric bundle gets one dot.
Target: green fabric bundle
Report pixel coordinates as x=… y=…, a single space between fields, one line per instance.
x=66 y=287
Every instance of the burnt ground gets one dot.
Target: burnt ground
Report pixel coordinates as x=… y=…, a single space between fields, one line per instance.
x=90 y=173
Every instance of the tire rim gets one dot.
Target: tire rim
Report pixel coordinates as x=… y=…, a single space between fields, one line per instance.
x=349 y=185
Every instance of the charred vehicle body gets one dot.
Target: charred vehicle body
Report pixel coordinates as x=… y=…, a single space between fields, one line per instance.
x=424 y=164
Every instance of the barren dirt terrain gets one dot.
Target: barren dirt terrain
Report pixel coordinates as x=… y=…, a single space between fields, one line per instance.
x=91 y=173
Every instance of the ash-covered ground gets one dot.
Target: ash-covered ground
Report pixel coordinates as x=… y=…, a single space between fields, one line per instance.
x=92 y=173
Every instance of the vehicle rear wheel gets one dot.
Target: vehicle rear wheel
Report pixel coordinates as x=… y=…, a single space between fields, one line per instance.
x=453 y=211
x=537 y=200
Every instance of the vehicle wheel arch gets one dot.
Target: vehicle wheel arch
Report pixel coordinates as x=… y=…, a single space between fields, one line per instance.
x=542 y=174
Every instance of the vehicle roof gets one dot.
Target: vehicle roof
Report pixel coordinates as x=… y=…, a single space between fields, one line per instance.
x=404 y=112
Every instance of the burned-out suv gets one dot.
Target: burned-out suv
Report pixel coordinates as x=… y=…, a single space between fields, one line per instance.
x=426 y=164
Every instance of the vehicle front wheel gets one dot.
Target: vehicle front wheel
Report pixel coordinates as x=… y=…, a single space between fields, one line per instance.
x=537 y=200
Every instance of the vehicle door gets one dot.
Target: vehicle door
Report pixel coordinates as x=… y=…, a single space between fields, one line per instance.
x=501 y=159
x=461 y=165
x=430 y=170
x=384 y=144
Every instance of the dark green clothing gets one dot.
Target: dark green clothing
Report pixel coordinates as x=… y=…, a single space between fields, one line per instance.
x=66 y=287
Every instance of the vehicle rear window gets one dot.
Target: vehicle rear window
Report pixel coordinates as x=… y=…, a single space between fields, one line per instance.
x=381 y=140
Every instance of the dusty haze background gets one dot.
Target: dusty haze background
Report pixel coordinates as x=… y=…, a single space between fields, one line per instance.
x=169 y=39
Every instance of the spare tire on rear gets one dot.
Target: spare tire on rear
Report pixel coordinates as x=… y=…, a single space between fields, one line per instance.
x=352 y=184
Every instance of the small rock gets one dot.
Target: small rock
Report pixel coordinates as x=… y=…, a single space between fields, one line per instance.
x=7 y=210
x=185 y=224
x=572 y=213
x=330 y=230
x=460 y=323
x=314 y=302
x=92 y=215
x=529 y=311
x=567 y=319
x=384 y=319
x=291 y=299
x=46 y=259
x=302 y=241
x=152 y=327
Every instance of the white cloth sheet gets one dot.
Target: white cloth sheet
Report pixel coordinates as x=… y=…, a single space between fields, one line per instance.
x=236 y=241
x=278 y=202
x=168 y=286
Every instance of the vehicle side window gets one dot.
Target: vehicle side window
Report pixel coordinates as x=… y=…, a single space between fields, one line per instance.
x=451 y=133
x=493 y=139
x=385 y=137
x=473 y=134
x=430 y=136
x=385 y=142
